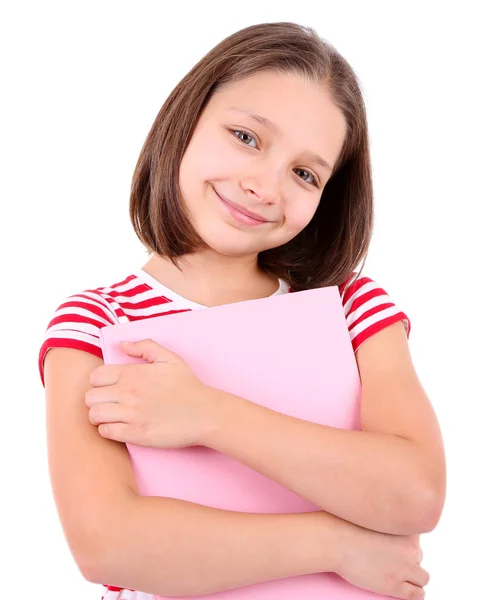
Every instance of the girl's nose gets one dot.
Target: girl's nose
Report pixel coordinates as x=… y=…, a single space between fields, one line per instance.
x=265 y=186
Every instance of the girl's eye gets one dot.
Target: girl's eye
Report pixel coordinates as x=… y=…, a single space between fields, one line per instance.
x=303 y=174
x=244 y=137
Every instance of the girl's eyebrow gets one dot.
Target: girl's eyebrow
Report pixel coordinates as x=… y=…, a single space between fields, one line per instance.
x=269 y=125
x=262 y=120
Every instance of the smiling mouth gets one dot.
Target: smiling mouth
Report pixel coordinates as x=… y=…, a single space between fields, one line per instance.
x=240 y=213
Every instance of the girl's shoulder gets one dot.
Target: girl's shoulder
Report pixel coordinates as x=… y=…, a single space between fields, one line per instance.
x=77 y=320
x=368 y=309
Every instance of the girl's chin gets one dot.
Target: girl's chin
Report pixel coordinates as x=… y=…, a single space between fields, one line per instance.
x=233 y=250
x=229 y=246
x=232 y=241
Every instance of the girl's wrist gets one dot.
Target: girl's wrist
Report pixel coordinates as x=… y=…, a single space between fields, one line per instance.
x=218 y=410
x=328 y=542
x=311 y=542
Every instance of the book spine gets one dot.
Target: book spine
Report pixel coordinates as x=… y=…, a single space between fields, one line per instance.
x=104 y=346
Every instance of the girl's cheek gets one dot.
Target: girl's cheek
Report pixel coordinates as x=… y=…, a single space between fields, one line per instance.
x=220 y=158
x=299 y=215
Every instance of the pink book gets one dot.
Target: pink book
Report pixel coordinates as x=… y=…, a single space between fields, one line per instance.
x=291 y=353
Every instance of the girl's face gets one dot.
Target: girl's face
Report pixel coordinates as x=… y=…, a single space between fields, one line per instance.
x=253 y=173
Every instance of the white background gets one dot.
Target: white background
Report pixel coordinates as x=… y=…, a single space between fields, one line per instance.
x=82 y=83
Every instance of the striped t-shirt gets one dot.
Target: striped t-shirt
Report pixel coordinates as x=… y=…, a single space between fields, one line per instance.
x=77 y=321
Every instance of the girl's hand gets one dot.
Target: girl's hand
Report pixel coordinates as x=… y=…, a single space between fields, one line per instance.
x=381 y=563
x=161 y=404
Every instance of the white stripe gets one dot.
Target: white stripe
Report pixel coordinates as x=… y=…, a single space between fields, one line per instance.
x=75 y=335
x=148 y=311
x=81 y=312
x=93 y=295
x=97 y=301
x=89 y=301
x=384 y=314
x=164 y=291
x=130 y=285
x=366 y=287
x=140 y=297
x=372 y=303
x=148 y=294
x=154 y=310
x=86 y=328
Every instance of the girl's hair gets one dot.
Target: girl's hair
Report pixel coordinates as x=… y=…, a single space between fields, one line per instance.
x=337 y=238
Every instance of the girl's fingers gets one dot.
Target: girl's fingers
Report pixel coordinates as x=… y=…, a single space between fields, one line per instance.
x=411 y=592
x=110 y=412
x=418 y=576
x=147 y=350
x=118 y=432
x=101 y=396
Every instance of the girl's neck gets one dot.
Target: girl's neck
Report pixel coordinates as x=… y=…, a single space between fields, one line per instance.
x=210 y=280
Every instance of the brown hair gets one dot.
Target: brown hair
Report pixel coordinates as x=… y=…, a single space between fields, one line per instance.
x=337 y=238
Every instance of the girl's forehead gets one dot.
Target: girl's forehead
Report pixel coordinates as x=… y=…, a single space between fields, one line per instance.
x=288 y=105
x=258 y=83
x=275 y=96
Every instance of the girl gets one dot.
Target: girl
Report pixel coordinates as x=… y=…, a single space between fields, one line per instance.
x=254 y=181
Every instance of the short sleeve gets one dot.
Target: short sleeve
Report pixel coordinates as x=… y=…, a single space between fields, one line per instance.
x=368 y=309
x=76 y=324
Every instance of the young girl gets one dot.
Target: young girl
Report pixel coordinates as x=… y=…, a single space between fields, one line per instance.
x=253 y=181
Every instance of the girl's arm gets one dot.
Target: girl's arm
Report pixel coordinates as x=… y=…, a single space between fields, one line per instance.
x=159 y=545
x=389 y=477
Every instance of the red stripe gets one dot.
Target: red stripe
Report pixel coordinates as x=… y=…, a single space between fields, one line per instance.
x=375 y=328
x=100 y=301
x=115 y=285
x=148 y=303
x=365 y=297
x=116 y=309
x=98 y=309
x=65 y=343
x=341 y=287
x=354 y=287
x=73 y=318
x=113 y=588
x=133 y=291
x=162 y=314
x=372 y=311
